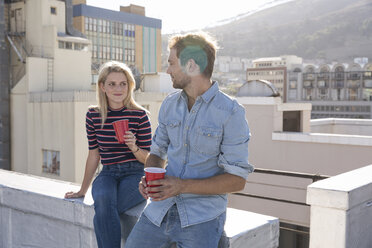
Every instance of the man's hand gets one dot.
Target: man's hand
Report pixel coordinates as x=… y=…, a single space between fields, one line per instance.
x=172 y=186
x=167 y=187
x=142 y=188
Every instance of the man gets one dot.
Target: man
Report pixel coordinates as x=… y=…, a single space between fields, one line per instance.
x=203 y=135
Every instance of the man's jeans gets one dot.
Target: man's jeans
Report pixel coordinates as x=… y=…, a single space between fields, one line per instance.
x=114 y=191
x=146 y=234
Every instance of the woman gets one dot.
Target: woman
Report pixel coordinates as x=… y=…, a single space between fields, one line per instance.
x=115 y=189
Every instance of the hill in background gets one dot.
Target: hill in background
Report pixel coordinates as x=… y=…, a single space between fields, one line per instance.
x=330 y=30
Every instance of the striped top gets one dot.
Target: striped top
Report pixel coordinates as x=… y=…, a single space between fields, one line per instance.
x=111 y=151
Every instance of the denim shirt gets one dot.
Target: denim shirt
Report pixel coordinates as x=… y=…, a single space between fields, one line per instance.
x=210 y=139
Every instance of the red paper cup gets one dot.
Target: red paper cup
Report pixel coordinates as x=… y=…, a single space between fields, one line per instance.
x=152 y=174
x=120 y=128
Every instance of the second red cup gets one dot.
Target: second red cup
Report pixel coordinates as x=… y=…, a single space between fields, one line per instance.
x=120 y=127
x=154 y=173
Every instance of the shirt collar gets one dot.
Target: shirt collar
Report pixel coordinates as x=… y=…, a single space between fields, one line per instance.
x=211 y=92
x=208 y=95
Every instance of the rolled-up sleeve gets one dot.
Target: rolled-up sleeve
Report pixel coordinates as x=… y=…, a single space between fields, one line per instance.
x=160 y=141
x=234 y=147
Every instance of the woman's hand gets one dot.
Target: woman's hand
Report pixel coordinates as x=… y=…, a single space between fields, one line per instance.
x=130 y=141
x=74 y=194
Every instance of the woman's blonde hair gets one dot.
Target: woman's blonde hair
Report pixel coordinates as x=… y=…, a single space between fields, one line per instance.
x=129 y=102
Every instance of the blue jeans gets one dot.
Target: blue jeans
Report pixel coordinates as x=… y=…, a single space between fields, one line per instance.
x=114 y=191
x=146 y=234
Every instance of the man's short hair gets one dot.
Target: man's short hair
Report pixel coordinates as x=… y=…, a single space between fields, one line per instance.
x=200 y=47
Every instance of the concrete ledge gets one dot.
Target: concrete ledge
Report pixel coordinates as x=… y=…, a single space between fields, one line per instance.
x=341 y=210
x=34 y=213
x=326 y=138
x=343 y=191
x=247 y=229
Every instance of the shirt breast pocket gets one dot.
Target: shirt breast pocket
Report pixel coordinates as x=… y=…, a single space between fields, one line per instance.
x=208 y=140
x=173 y=129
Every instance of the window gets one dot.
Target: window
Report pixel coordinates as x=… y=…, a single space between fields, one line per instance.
x=307 y=84
x=61 y=44
x=77 y=46
x=353 y=94
x=291 y=121
x=322 y=84
x=104 y=26
x=53 y=10
x=51 y=162
x=68 y=45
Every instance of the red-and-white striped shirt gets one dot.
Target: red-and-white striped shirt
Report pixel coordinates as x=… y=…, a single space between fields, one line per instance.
x=111 y=151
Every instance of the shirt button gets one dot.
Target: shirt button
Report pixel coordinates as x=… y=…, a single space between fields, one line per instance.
x=209 y=135
x=193 y=111
x=185 y=144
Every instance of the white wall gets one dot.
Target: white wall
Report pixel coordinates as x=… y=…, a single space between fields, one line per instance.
x=72 y=70
x=160 y=82
x=51 y=127
x=57 y=20
x=18 y=120
x=42 y=27
x=37 y=74
x=342 y=126
x=80 y=137
x=57 y=122
x=154 y=101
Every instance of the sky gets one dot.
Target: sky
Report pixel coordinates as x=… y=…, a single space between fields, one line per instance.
x=185 y=15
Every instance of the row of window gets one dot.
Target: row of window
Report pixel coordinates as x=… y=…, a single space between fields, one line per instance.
x=72 y=45
x=277 y=81
x=109 y=27
x=349 y=74
x=111 y=40
x=270 y=64
x=114 y=53
x=265 y=73
x=353 y=116
x=323 y=94
x=335 y=84
x=106 y=47
x=335 y=108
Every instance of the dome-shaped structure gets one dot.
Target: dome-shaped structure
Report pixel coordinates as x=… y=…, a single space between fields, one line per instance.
x=257 y=88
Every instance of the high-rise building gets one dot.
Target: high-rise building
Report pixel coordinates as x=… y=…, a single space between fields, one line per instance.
x=126 y=35
x=338 y=90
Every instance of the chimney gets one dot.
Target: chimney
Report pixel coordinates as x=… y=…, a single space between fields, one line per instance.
x=134 y=9
x=77 y=2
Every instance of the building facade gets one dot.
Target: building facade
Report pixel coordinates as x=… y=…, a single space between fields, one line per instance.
x=337 y=90
x=49 y=88
x=126 y=35
x=273 y=70
x=285 y=139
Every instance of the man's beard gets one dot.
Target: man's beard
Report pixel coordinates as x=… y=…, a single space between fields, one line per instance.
x=182 y=83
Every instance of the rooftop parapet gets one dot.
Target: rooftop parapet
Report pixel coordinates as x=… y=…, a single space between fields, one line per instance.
x=33 y=213
x=341 y=210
